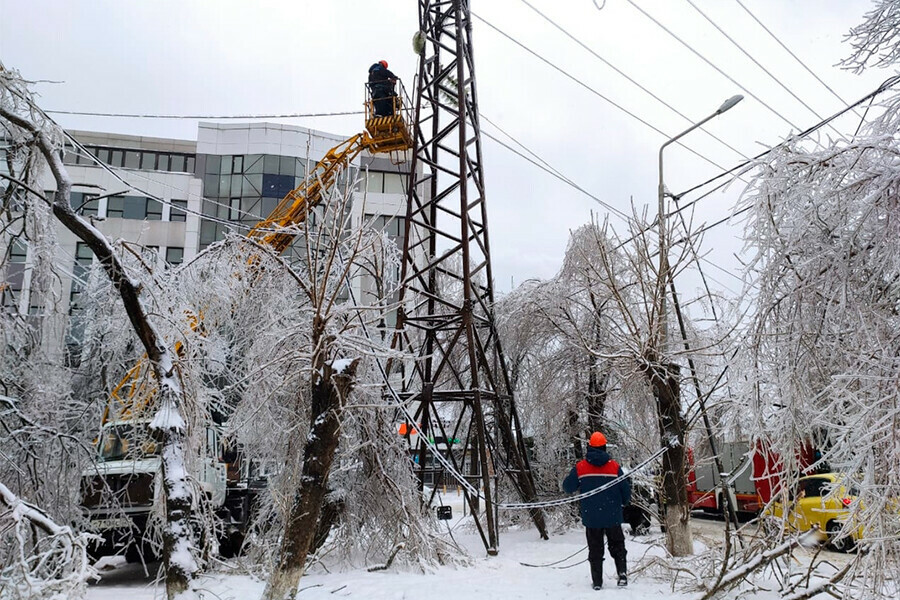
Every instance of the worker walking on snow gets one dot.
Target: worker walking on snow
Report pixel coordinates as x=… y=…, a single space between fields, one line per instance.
x=601 y=514
x=381 y=85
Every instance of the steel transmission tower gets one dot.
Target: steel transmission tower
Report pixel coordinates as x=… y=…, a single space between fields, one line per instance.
x=459 y=385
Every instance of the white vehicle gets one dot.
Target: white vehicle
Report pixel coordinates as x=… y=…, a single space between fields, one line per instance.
x=121 y=488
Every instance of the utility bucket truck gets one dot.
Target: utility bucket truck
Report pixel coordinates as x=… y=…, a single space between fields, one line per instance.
x=121 y=490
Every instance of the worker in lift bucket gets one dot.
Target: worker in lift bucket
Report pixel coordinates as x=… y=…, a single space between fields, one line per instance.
x=381 y=86
x=601 y=514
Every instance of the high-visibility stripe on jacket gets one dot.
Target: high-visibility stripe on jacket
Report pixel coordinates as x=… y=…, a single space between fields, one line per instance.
x=603 y=509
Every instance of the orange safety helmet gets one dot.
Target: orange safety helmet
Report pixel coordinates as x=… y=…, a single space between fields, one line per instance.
x=597 y=440
x=383 y=63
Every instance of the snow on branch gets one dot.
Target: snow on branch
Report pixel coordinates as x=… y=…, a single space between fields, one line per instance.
x=40 y=559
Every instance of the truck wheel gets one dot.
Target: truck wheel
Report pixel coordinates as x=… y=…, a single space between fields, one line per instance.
x=837 y=543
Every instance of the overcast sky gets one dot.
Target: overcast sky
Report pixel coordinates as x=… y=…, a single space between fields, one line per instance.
x=229 y=58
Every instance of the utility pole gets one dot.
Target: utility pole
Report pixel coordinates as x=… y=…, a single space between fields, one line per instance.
x=459 y=387
x=663 y=377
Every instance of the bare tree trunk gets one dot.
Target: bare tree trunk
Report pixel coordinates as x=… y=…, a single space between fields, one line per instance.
x=328 y=393
x=675 y=507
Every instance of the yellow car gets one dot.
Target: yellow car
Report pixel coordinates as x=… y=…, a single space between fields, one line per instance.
x=821 y=500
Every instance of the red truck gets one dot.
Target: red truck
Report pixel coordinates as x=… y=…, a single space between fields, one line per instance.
x=753 y=475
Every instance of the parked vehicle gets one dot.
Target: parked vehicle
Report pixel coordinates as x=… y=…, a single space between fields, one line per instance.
x=820 y=501
x=119 y=491
x=704 y=481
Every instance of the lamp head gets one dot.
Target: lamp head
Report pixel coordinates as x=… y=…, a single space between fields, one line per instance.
x=728 y=104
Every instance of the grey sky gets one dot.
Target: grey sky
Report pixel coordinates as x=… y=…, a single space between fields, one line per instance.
x=229 y=57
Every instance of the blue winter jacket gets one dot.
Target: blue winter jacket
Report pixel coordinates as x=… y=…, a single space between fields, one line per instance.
x=603 y=509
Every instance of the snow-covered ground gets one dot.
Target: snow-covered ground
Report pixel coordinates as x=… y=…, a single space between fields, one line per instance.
x=502 y=577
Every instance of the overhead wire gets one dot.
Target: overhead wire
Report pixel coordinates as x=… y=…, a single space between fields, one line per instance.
x=794 y=56
x=201 y=117
x=629 y=78
x=593 y=90
x=757 y=63
x=713 y=65
x=560 y=176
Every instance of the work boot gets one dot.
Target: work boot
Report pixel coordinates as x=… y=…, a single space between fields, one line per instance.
x=598 y=586
x=623 y=580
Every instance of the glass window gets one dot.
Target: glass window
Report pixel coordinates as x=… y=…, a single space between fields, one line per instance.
x=83 y=252
x=176 y=163
x=253 y=163
x=237 y=165
x=189 y=168
x=225 y=165
x=135 y=207
x=224 y=186
x=374 y=182
x=213 y=163
x=116 y=158
x=70 y=157
x=247 y=188
x=394 y=183
x=234 y=213
x=178 y=214
x=287 y=165
x=210 y=185
x=114 y=206
x=271 y=164
x=207 y=233
x=250 y=208
x=132 y=159
x=174 y=255
x=236 y=184
x=18 y=250
x=162 y=162
x=148 y=161
x=255 y=180
x=81 y=158
x=154 y=210
x=103 y=154
x=268 y=206
x=300 y=167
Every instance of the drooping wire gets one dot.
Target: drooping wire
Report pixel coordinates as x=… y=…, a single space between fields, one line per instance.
x=758 y=64
x=629 y=78
x=711 y=64
x=794 y=56
x=592 y=90
x=202 y=117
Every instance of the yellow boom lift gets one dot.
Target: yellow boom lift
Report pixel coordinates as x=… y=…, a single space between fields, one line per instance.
x=383 y=135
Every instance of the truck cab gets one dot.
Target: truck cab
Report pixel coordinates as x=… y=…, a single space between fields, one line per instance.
x=119 y=491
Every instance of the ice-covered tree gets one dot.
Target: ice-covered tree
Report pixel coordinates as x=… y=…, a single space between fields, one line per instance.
x=41 y=141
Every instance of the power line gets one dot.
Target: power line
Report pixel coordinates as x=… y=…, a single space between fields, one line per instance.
x=592 y=90
x=794 y=56
x=711 y=64
x=629 y=78
x=886 y=85
x=561 y=177
x=758 y=64
x=245 y=117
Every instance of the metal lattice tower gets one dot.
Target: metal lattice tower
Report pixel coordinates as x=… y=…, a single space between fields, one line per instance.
x=459 y=386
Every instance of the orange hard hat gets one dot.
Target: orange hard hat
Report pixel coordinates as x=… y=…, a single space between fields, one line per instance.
x=597 y=439
x=383 y=63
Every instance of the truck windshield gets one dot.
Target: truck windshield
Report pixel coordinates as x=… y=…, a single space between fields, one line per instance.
x=127 y=441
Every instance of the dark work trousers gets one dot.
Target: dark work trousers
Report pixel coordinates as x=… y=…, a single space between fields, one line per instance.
x=616 y=541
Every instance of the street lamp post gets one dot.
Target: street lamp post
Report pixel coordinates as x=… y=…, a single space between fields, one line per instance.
x=665 y=384
x=662 y=331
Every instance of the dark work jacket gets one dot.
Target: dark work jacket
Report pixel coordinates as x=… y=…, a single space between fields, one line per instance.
x=603 y=509
x=381 y=81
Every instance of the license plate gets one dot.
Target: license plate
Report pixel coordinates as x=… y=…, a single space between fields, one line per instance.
x=116 y=523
